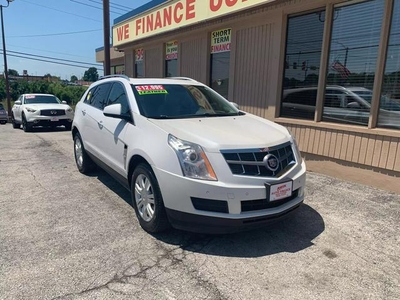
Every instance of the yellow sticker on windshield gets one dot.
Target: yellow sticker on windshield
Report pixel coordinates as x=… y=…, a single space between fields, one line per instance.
x=150 y=89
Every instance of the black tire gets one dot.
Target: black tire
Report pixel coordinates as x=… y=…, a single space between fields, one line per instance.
x=159 y=220
x=14 y=124
x=68 y=127
x=3 y=122
x=25 y=125
x=83 y=161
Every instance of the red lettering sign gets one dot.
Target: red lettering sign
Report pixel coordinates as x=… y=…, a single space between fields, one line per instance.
x=138 y=26
x=190 y=11
x=178 y=16
x=215 y=5
x=123 y=32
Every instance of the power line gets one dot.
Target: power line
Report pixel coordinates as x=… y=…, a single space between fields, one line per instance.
x=48 y=61
x=55 y=58
x=63 y=53
x=100 y=8
x=68 y=13
x=115 y=6
x=53 y=34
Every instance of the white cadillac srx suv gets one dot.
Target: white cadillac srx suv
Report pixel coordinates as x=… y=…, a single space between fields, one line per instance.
x=190 y=158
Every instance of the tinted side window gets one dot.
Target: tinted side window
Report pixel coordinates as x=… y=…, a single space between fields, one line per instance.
x=118 y=96
x=89 y=96
x=100 y=96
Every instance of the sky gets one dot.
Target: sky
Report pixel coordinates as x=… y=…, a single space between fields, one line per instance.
x=61 y=29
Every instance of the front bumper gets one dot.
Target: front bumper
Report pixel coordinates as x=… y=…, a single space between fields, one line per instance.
x=218 y=225
x=218 y=207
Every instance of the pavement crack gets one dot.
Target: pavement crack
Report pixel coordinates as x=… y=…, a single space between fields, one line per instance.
x=35 y=179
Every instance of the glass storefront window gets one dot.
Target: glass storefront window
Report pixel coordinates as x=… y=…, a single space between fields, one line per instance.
x=171 y=68
x=139 y=69
x=220 y=61
x=171 y=59
x=303 y=55
x=139 y=66
x=389 y=110
x=352 y=62
x=118 y=69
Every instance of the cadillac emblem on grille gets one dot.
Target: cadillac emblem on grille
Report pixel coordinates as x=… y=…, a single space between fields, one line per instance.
x=271 y=162
x=53 y=112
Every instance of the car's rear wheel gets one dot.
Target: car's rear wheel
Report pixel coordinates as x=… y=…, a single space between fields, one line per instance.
x=83 y=162
x=147 y=200
x=25 y=125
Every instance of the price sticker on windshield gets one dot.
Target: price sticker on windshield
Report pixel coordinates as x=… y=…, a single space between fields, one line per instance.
x=29 y=96
x=150 y=89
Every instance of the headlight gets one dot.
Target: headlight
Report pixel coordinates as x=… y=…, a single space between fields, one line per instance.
x=31 y=110
x=296 y=147
x=69 y=109
x=193 y=160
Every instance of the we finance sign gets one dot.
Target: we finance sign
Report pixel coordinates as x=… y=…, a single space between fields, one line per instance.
x=176 y=14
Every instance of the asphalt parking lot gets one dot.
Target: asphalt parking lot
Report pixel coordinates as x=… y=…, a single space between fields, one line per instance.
x=64 y=235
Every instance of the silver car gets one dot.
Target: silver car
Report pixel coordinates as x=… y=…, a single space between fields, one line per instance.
x=3 y=114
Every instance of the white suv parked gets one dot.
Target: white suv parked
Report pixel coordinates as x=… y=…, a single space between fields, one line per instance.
x=41 y=110
x=190 y=158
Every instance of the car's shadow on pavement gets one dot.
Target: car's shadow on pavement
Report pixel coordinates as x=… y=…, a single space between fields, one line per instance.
x=293 y=234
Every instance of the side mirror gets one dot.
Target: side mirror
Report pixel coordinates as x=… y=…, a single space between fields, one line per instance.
x=354 y=105
x=18 y=102
x=235 y=104
x=114 y=111
x=64 y=102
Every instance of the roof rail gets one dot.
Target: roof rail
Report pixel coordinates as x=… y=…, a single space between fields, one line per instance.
x=114 y=76
x=182 y=78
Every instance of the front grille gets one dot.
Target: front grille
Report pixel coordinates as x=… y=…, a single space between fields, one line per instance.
x=210 y=205
x=52 y=112
x=250 y=161
x=252 y=205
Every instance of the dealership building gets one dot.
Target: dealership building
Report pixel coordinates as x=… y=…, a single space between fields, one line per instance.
x=329 y=70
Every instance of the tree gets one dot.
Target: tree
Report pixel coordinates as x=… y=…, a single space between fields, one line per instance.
x=91 y=75
x=48 y=75
x=73 y=78
x=13 y=72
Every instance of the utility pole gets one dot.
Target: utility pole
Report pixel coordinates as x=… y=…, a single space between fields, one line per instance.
x=5 y=61
x=106 y=24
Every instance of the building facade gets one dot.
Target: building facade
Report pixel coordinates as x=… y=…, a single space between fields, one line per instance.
x=329 y=70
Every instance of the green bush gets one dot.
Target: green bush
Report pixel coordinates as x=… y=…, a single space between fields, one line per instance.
x=69 y=93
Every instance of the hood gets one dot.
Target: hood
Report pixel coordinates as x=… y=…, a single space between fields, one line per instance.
x=48 y=106
x=217 y=133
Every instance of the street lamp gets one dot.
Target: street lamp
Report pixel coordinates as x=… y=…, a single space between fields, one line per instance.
x=5 y=59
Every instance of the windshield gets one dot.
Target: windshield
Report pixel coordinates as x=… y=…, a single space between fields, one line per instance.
x=173 y=101
x=36 y=99
x=386 y=103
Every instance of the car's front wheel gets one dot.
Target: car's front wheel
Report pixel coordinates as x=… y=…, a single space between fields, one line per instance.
x=147 y=200
x=25 y=125
x=84 y=163
x=14 y=124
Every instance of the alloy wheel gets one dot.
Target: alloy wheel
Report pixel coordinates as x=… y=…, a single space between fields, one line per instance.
x=144 y=197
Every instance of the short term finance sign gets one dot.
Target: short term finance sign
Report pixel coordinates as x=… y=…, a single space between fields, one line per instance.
x=221 y=40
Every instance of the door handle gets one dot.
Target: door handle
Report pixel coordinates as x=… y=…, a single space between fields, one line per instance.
x=84 y=112
x=101 y=124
